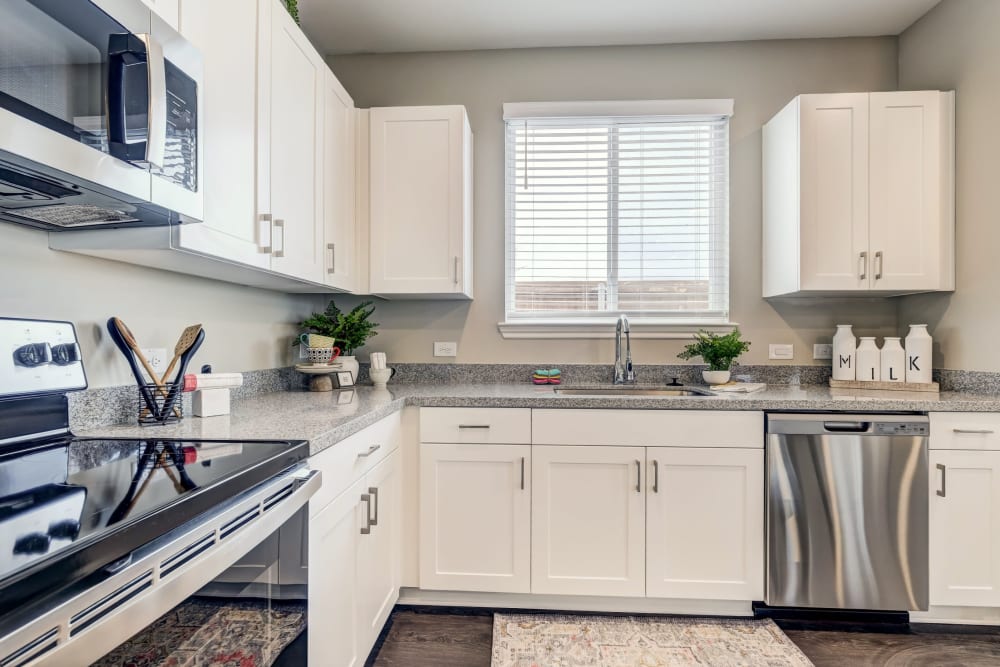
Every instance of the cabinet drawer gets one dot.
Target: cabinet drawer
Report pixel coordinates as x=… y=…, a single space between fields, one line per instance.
x=349 y=459
x=648 y=428
x=965 y=430
x=507 y=426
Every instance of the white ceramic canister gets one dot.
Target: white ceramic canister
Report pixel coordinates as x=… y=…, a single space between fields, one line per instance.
x=919 y=346
x=869 y=360
x=893 y=361
x=845 y=353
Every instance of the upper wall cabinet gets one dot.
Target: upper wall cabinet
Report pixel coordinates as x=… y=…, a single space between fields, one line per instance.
x=339 y=186
x=859 y=195
x=420 y=171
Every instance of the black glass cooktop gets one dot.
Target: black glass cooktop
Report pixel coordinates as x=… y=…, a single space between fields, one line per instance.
x=69 y=508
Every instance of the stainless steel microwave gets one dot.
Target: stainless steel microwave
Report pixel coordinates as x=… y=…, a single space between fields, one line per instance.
x=100 y=108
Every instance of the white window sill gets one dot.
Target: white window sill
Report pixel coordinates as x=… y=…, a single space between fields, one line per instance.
x=605 y=328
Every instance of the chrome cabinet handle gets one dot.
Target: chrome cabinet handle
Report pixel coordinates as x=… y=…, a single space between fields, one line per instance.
x=944 y=480
x=973 y=431
x=279 y=252
x=371 y=450
x=878 y=260
x=522 y=473
x=332 y=247
x=367 y=500
x=863 y=259
x=264 y=232
x=467 y=426
x=638 y=476
x=656 y=476
x=456 y=269
x=374 y=491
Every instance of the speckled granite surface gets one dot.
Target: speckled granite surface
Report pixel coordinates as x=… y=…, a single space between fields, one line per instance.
x=319 y=418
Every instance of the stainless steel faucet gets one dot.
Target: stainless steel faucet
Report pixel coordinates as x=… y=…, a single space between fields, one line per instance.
x=624 y=373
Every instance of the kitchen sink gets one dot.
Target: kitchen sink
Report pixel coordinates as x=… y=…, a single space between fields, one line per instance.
x=632 y=390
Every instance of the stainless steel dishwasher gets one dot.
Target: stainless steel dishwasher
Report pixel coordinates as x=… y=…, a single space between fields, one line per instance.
x=847 y=499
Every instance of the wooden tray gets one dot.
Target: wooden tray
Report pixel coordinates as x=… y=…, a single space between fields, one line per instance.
x=886 y=386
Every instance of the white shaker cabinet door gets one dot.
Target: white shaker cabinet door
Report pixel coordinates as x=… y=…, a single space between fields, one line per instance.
x=912 y=206
x=334 y=596
x=588 y=521
x=965 y=528
x=705 y=523
x=379 y=554
x=475 y=517
x=339 y=222
x=834 y=193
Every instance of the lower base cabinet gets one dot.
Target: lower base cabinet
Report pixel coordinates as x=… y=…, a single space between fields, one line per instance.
x=964 y=527
x=354 y=572
x=475 y=517
x=705 y=523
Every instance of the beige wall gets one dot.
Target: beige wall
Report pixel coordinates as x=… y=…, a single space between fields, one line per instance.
x=246 y=328
x=761 y=76
x=957 y=46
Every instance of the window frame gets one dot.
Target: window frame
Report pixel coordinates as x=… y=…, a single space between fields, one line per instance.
x=590 y=325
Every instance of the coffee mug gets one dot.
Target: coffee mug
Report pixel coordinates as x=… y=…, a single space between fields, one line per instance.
x=319 y=356
x=316 y=340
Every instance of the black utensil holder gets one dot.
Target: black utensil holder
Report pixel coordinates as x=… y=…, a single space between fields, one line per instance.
x=165 y=399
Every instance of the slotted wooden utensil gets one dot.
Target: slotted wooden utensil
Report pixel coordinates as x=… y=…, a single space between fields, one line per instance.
x=133 y=345
x=187 y=339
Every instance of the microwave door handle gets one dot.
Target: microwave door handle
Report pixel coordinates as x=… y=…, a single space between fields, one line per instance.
x=156 y=132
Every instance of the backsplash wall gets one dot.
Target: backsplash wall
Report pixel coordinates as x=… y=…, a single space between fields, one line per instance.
x=761 y=76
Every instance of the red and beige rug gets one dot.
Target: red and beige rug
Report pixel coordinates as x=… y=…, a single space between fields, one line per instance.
x=544 y=640
x=205 y=632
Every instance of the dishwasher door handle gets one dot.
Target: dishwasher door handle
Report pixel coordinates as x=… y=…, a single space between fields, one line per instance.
x=847 y=427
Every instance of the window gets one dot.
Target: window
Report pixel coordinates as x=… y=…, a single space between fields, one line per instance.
x=623 y=212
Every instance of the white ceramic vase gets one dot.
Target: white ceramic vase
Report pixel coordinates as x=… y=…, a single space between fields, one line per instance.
x=869 y=360
x=893 y=361
x=845 y=353
x=350 y=364
x=919 y=346
x=715 y=377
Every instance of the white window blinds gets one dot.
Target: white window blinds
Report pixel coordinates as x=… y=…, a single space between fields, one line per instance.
x=611 y=214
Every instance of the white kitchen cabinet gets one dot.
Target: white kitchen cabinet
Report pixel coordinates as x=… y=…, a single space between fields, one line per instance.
x=168 y=10
x=859 y=194
x=475 y=517
x=379 y=571
x=335 y=619
x=588 y=521
x=292 y=79
x=964 y=528
x=420 y=185
x=339 y=184
x=705 y=523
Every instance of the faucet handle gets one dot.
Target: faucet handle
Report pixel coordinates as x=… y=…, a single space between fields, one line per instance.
x=674 y=383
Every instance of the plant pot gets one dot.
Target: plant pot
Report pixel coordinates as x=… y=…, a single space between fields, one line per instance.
x=350 y=364
x=715 y=377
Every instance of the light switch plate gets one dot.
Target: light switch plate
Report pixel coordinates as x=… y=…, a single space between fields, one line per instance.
x=822 y=351
x=445 y=349
x=780 y=351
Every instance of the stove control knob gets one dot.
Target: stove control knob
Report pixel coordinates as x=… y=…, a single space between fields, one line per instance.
x=35 y=543
x=65 y=530
x=33 y=354
x=65 y=354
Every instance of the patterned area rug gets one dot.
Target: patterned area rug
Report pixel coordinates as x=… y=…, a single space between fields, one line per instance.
x=208 y=632
x=523 y=640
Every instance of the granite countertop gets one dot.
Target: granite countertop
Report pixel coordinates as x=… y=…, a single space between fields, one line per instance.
x=320 y=419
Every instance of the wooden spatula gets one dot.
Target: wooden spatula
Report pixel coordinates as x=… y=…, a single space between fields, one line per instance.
x=187 y=339
x=133 y=345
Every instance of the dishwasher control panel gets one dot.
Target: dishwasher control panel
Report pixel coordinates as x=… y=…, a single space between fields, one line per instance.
x=902 y=428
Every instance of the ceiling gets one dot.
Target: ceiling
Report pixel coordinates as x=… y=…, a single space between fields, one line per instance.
x=388 y=26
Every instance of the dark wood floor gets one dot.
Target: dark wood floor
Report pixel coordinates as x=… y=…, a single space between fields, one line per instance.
x=463 y=639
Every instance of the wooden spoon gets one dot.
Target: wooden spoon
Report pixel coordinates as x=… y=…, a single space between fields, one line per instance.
x=187 y=339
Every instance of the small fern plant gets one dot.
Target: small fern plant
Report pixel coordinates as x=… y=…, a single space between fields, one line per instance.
x=351 y=330
x=719 y=352
x=293 y=9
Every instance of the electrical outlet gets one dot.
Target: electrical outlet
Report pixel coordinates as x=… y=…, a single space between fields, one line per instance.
x=157 y=358
x=445 y=349
x=780 y=351
x=822 y=351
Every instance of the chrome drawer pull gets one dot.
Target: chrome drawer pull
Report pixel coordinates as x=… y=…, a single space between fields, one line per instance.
x=656 y=476
x=638 y=476
x=522 y=473
x=944 y=480
x=973 y=431
x=371 y=450
x=465 y=426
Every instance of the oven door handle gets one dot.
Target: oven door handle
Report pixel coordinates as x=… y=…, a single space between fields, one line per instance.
x=156 y=71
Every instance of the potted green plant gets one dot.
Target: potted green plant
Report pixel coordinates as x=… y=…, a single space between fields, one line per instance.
x=351 y=330
x=719 y=352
